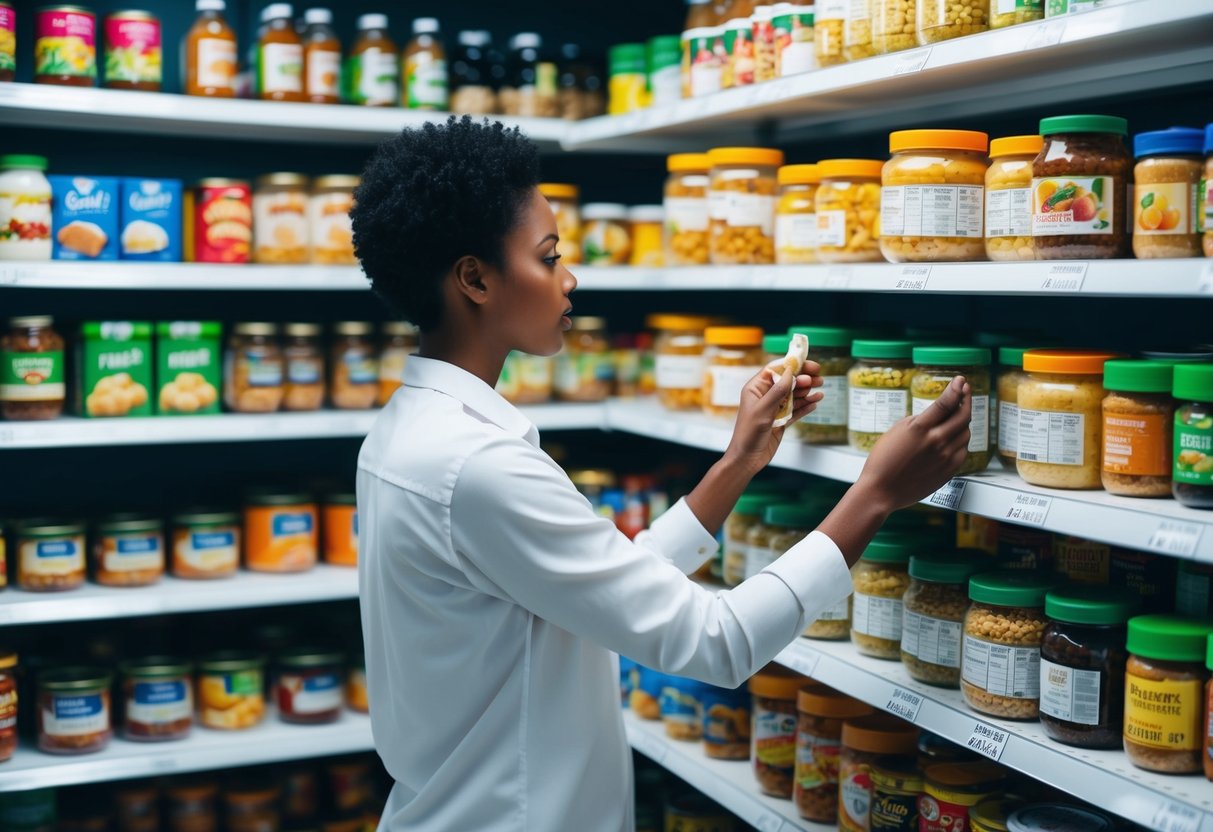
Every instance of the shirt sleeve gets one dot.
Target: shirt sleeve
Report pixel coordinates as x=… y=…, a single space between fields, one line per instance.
x=680 y=538
x=519 y=524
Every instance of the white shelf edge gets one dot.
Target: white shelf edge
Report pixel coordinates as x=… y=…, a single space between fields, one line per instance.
x=1103 y=778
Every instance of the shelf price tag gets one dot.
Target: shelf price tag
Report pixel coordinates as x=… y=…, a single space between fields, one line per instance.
x=1203 y=287
x=988 y=740
x=766 y=820
x=1065 y=277
x=950 y=495
x=913 y=279
x=801 y=659
x=1046 y=34
x=838 y=277
x=1175 y=537
x=905 y=704
x=1175 y=817
x=912 y=62
x=1029 y=509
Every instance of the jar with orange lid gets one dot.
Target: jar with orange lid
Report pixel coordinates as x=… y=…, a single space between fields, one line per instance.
x=340 y=520
x=864 y=739
x=775 y=690
x=741 y=204
x=647 y=223
x=686 y=209
x=953 y=789
x=1008 y=220
x=733 y=355
x=796 y=215
x=931 y=196
x=679 y=348
x=567 y=209
x=281 y=532
x=821 y=712
x=1060 y=435
x=848 y=211
x=857 y=30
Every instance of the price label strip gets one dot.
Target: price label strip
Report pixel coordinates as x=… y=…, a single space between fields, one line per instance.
x=1046 y=34
x=950 y=495
x=904 y=703
x=1203 y=287
x=1065 y=277
x=1175 y=537
x=1029 y=509
x=913 y=279
x=838 y=277
x=988 y=740
x=912 y=62
x=1175 y=817
x=801 y=659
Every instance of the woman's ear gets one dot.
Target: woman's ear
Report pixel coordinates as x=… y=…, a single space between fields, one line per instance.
x=469 y=279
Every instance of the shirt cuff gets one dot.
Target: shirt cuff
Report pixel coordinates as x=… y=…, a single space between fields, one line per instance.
x=816 y=572
x=681 y=538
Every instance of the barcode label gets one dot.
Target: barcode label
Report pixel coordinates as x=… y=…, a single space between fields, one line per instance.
x=1068 y=694
x=950 y=495
x=1029 y=509
x=1175 y=817
x=912 y=62
x=838 y=277
x=1175 y=537
x=1065 y=277
x=987 y=740
x=913 y=278
x=904 y=703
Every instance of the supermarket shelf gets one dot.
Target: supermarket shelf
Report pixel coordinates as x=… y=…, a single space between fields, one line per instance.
x=204 y=750
x=1114 y=51
x=62 y=274
x=729 y=782
x=173 y=595
x=1104 y=778
x=160 y=114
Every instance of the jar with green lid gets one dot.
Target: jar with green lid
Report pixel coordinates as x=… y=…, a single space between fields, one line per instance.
x=50 y=554
x=205 y=544
x=628 y=80
x=1166 y=665
x=74 y=710
x=878 y=388
x=128 y=550
x=158 y=699
x=897 y=785
x=991 y=815
x=1010 y=374
x=1000 y=658
x=1011 y=12
x=231 y=690
x=829 y=346
x=935 y=605
x=308 y=685
x=1138 y=417
x=786 y=524
x=880 y=579
x=1193 y=466
x=664 y=64
x=746 y=514
x=934 y=369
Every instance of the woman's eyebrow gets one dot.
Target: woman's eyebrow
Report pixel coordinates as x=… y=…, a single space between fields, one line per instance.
x=551 y=237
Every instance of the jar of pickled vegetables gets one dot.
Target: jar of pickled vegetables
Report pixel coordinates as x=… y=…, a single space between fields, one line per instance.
x=1009 y=197
x=741 y=204
x=932 y=194
x=829 y=346
x=679 y=347
x=563 y=199
x=828 y=25
x=934 y=369
x=881 y=578
x=1010 y=12
x=894 y=26
x=733 y=356
x=686 y=209
x=940 y=20
x=935 y=605
x=878 y=389
x=796 y=215
x=1010 y=374
x=848 y=211
x=857 y=30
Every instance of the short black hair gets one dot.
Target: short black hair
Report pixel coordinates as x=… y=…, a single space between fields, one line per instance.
x=432 y=195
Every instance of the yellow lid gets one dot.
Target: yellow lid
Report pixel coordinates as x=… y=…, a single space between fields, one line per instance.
x=741 y=336
x=745 y=156
x=688 y=163
x=558 y=190
x=844 y=168
x=7 y=659
x=1079 y=362
x=1016 y=146
x=799 y=175
x=776 y=682
x=824 y=701
x=938 y=140
x=880 y=734
x=682 y=323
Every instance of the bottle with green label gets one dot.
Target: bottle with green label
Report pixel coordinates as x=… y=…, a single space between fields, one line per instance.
x=1192 y=477
x=31 y=370
x=425 y=72
x=372 y=71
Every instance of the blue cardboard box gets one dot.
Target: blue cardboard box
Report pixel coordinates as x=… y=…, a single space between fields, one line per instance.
x=151 y=219
x=84 y=217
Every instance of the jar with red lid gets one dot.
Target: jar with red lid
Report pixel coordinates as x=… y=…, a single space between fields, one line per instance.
x=309 y=685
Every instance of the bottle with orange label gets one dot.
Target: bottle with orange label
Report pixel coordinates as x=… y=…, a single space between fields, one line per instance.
x=279 y=56
x=321 y=58
x=210 y=53
x=1169 y=168
x=341 y=529
x=281 y=532
x=1138 y=417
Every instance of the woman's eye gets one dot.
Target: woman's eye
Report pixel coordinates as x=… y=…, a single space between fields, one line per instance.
x=551 y=261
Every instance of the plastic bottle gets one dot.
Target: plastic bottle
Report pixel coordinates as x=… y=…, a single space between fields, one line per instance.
x=210 y=53
x=321 y=58
x=279 y=56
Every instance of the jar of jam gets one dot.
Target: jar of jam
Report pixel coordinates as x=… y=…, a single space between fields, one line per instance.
x=309 y=686
x=74 y=710
x=158 y=699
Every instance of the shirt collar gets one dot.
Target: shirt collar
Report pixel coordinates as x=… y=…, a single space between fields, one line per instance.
x=476 y=396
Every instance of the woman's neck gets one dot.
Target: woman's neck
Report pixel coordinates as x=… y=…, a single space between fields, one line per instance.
x=469 y=353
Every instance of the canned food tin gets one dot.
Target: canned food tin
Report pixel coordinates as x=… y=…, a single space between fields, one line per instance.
x=219 y=221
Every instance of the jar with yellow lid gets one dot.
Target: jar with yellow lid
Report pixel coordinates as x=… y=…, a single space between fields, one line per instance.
x=686 y=209
x=605 y=238
x=1167 y=178
x=952 y=790
x=775 y=690
x=679 y=348
x=848 y=211
x=896 y=789
x=1060 y=432
x=280 y=218
x=991 y=815
x=1012 y=12
x=741 y=204
x=565 y=206
x=931 y=196
x=866 y=739
x=1009 y=198
x=733 y=355
x=828 y=24
x=894 y=26
x=646 y=225
x=857 y=30
x=821 y=712
x=796 y=215
x=940 y=20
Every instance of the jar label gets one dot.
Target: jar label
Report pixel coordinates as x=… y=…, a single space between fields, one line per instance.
x=361 y=367
x=159 y=703
x=132 y=553
x=750 y=211
x=1165 y=208
x=878 y=617
x=374 y=78
x=875 y=411
x=1054 y=438
x=832 y=409
x=8 y=40
x=832 y=228
x=132 y=50
x=794 y=49
x=66 y=44
x=832 y=10
x=304 y=371
x=1205 y=202
x=32 y=376
x=707 y=65
x=1063 y=205
x=686 y=214
x=855 y=800
x=757 y=559
x=313 y=694
x=576 y=373
x=238 y=683
x=937 y=815
x=290 y=524
x=8 y=710
x=332 y=234
x=894 y=812
x=1193 y=449
x=681 y=707
x=323 y=73
x=728 y=382
x=979 y=422
x=74 y=716
x=1163 y=714
x=795 y=232
x=1008 y=428
x=817 y=761
x=280 y=226
x=726 y=718
x=52 y=558
x=666 y=84
x=281 y=68
x=932 y=211
x=1009 y=212
x=217 y=63
x=1069 y=694
x=739 y=46
x=1081 y=560
x=208 y=551
x=838 y=612
x=1002 y=670
x=774 y=738
x=679 y=372
x=1010 y=6
x=263 y=371
x=931 y=640
x=425 y=81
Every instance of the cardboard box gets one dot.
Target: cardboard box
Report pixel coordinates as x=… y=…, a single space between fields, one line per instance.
x=189 y=367
x=84 y=217
x=114 y=369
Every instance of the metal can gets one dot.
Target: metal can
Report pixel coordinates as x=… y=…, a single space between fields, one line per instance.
x=65 y=46
x=8 y=42
x=693 y=812
x=132 y=51
x=219 y=221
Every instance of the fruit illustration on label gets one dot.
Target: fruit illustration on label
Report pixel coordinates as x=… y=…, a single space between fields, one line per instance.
x=1072 y=202
x=1157 y=214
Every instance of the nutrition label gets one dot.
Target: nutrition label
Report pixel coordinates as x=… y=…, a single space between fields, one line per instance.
x=979 y=422
x=727 y=383
x=679 y=372
x=832 y=409
x=1054 y=438
x=931 y=640
x=1002 y=670
x=931 y=210
x=877 y=617
x=1008 y=428
x=795 y=231
x=875 y=411
x=1009 y=213
x=1068 y=694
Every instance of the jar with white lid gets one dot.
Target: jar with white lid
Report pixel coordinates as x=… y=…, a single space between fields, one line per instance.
x=605 y=240
x=25 y=208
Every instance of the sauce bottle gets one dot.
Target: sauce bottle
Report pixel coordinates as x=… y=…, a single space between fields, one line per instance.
x=279 y=56
x=321 y=58
x=425 y=76
x=210 y=53
x=372 y=74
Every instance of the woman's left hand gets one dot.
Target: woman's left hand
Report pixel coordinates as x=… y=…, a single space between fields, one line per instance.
x=755 y=439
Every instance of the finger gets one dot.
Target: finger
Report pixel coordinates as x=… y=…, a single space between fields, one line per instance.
x=778 y=390
x=945 y=406
x=810 y=368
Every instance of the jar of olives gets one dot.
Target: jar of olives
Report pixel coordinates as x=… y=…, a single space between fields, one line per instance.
x=878 y=389
x=829 y=346
x=934 y=369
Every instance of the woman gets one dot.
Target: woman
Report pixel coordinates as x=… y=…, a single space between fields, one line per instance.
x=492 y=594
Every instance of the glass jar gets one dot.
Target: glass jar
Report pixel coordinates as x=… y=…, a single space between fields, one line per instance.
x=789 y=523
x=896 y=788
x=732 y=357
x=128 y=550
x=8 y=704
x=762 y=26
x=1000 y=659
x=830 y=347
x=192 y=805
x=304 y=359
x=739 y=52
x=1193 y=466
x=1166 y=221
x=280 y=531
x=686 y=209
x=821 y=712
x=353 y=366
x=330 y=230
x=775 y=690
x=866 y=739
x=254 y=369
x=158 y=699
x=795 y=38
x=309 y=685
x=704 y=55
x=894 y=25
x=1059 y=816
x=848 y=211
x=1056 y=449
x=1166 y=663
x=857 y=30
x=280 y=218
x=726 y=723
x=605 y=240
x=1082 y=665
x=940 y=20
x=932 y=195
x=584 y=372
x=991 y=815
x=953 y=789
x=74 y=713
x=679 y=347
x=29 y=228
x=567 y=210
x=31 y=370
x=1008 y=222
x=741 y=204
x=1010 y=375
x=796 y=215
x=50 y=555
x=747 y=514
x=681 y=704
x=1207 y=208
x=934 y=369
x=1138 y=418
x=878 y=389
x=399 y=342
x=1012 y=12
x=881 y=578
x=526 y=379
x=356 y=696
x=231 y=690
x=1079 y=189
x=646 y=224
x=252 y=806
x=206 y=544
x=828 y=25
x=935 y=605
x=339 y=519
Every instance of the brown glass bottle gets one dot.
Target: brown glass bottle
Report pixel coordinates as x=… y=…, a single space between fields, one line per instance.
x=210 y=53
